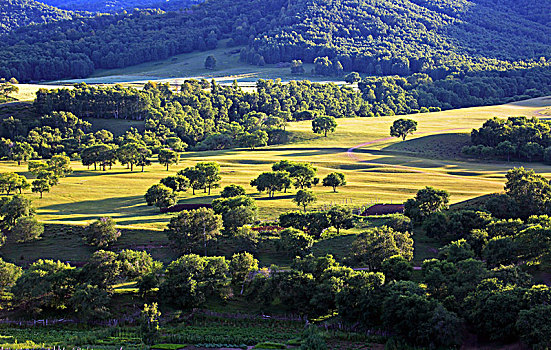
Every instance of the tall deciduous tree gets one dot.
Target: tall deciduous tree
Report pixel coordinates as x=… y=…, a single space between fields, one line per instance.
x=334 y=180
x=374 y=246
x=41 y=186
x=304 y=198
x=210 y=62
x=193 y=230
x=211 y=174
x=168 y=157
x=21 y=151
x=403 y=127
x=340 y=218
x=102 y=232
x=271 y=182
x=426 y=202
x=324 y=124
x=160 y=196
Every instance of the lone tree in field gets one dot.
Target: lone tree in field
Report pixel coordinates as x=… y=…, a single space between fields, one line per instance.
x=160 y=196
x=304 y=198
x=334 y=180
x=168 y=157
x=403 y=127
x=324 y=124
x=210 y=62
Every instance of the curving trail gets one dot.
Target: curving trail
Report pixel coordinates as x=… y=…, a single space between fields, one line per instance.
x=350 y=153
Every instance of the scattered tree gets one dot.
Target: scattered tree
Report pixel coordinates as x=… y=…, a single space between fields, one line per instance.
x=374 y=246
x=168 y=157
x=210 y=62
x=41 y=186
x=295 y=242
x=403 y=127
x=149 y=324
x=26 y=228
x=334 y=180
x=193 y=230
x=340 y=218
x=232 y=191
x=324 y=124
x=160 y=196
x=101 y=233
x=304 y=198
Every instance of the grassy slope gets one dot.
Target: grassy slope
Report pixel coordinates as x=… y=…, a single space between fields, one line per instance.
x=388 y=171
x=191 y=65
x=381 y=171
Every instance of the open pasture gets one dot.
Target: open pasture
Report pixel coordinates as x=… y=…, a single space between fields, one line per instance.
x=377 y=168
x=178 y=68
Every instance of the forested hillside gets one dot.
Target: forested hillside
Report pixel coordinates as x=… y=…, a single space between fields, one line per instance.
x=76 y=48
x=119 y=5
x=20 y=13
x=405 y=37
x=389 y=37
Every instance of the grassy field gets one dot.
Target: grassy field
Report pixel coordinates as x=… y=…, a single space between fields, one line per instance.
x=385 y=171
x=192 y=65
x=378 y=169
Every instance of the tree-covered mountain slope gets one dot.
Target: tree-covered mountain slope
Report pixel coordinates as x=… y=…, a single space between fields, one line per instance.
x=119 y=5
x=406 y=36
x=20 y=13
x=376 y=37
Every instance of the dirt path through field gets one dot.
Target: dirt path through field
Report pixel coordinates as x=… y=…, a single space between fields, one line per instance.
x=354 y=156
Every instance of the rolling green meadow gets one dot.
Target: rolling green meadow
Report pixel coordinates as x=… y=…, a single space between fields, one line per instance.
x=384 y=170
x=378 y=169
x=86 y=263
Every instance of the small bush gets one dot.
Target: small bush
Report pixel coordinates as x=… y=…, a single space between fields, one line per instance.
x=270 y=345
x=168 y=346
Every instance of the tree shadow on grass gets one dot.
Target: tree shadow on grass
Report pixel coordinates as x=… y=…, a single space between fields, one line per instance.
x=283 y=196
x=234 y=151
x=92 y=172
x=128 y=206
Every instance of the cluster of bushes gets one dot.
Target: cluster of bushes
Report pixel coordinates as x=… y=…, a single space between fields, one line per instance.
x=481 y=273
x=520 y=138
x=421 y=93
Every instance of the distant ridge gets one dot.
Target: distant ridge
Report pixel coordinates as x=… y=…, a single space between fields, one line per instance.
x=21 y=13
x=375 y=37
x=119 y=5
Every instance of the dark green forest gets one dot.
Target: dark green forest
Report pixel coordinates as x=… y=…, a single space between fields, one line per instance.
x=439 y=38
x=77 y=48
x=21 y=13
x=201 y=115
x=119 y=5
